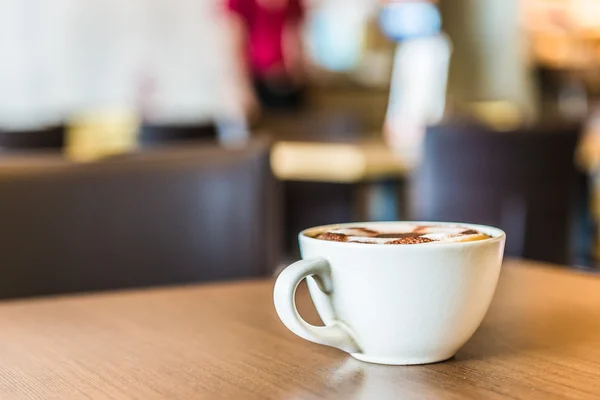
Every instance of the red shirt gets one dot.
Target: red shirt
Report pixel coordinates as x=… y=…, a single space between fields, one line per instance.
x=265 y=27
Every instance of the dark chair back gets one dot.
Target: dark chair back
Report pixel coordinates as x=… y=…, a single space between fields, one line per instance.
x=47 y=138
x=156 y=134
x=166 y=216
x=521 y=181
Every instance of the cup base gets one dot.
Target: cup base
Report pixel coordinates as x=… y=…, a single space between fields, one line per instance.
x=402 y=361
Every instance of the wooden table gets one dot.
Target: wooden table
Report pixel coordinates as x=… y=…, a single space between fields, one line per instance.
x=540 y=340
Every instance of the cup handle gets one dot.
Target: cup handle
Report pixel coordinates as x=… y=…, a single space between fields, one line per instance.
x=336 y=334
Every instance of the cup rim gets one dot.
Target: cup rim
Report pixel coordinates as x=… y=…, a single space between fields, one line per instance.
x=496 y=234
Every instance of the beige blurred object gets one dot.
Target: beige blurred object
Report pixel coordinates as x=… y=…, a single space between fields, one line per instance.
x=595 y=202
x=490 y=60
x=97 y=135
x=335 y=162
x=561 y=15
x=563 y=34
x=588 y=158
x=595 y=210
x=500 y=115
x=375 y=67
x=562 y=50
x=588 y=152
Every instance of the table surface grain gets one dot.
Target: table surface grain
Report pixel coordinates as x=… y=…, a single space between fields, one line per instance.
x=540 y=340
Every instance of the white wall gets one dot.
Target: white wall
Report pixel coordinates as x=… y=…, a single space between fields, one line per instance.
x=62 y=57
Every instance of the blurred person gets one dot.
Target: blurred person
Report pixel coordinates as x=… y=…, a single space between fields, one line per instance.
x=267 y=35
x=418 y=87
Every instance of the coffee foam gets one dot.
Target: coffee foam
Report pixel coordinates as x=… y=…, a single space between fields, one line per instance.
x=402 y=233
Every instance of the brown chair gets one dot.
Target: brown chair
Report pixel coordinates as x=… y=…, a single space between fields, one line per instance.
x=47 y=138
x=167 y=216
x=524 y=182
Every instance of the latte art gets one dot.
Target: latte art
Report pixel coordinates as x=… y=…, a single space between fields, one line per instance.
x=401 y=233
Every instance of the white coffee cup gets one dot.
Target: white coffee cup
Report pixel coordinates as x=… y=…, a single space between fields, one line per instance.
x=393 y=304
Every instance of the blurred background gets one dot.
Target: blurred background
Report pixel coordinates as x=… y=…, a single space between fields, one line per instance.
x=152 y=142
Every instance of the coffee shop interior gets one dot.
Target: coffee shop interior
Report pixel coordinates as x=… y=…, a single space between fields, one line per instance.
x=154 y=143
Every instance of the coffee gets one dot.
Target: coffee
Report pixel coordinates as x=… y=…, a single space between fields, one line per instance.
x=395 y=305
x=400 y=233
